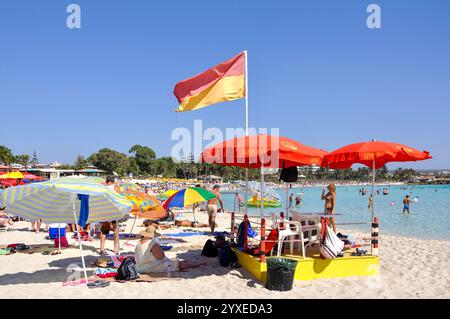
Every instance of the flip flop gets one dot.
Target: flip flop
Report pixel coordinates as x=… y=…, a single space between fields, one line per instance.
x=98 y=284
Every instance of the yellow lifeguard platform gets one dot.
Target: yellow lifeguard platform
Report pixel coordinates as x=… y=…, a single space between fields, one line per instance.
x=314 y=267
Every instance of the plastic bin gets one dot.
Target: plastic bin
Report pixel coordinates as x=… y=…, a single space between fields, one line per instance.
x=280 y=273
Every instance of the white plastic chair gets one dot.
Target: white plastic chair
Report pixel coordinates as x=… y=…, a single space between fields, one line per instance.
x=310 y=227
x=290 y=228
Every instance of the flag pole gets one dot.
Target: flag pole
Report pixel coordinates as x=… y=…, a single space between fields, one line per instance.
x=246 y=127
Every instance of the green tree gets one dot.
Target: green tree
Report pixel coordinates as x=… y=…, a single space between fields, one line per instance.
x=110 y=161
x=23 y=159
x=144 y=157
x=6 y=155
x=80 y=162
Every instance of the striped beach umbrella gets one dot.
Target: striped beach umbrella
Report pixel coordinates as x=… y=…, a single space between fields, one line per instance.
x=189 y=196
x=53 y=201
x=57 y=201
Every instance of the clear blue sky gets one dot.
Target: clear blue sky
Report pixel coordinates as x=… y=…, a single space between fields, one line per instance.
x=315 y=70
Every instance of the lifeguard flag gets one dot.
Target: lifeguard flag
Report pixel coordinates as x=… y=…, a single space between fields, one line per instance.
x=223 y=82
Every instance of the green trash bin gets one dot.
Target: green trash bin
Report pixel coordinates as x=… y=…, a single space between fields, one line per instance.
x=280 y=273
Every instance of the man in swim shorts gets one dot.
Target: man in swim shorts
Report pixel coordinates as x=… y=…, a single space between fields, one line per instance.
x=406 y=202
x=212 y=209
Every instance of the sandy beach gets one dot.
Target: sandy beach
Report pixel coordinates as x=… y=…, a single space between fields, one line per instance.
x=410 y=268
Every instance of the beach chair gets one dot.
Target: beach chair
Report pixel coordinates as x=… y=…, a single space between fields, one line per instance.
x=310 y=230
x=287 y=230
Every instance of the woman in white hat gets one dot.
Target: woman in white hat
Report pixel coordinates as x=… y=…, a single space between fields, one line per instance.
x=150 y=257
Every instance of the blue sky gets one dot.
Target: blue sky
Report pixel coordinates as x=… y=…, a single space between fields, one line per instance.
x=315 y=71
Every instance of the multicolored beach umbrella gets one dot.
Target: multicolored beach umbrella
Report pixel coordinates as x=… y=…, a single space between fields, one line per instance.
x=18 y=175
x=52 y=201
x=141 y=201
x=167 y=194
x=189 y=196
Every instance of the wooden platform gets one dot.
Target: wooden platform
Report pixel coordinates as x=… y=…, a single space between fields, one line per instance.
x=314 y=267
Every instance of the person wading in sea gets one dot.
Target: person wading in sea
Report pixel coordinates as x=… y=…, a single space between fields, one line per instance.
x=406 y=203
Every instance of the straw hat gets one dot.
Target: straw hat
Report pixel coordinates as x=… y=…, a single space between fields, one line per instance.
x=102 y=262
x=150 y=232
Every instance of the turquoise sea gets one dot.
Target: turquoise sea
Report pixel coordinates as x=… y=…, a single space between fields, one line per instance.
x=429 y=217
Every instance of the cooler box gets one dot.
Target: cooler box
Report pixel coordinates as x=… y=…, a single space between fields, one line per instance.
x=53 y=230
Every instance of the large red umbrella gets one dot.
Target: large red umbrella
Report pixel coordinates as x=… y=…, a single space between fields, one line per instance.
x=373 y=154
x=262 y=151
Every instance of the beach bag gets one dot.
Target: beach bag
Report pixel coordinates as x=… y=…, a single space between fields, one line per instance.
x=227 y=256
x=127 y=269
x=209 y=249
x=331 y=246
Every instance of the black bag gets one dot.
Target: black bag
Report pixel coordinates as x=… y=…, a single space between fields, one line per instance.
x=127 y=269
x=209 y=249
x=289 y=175
x=227 y=256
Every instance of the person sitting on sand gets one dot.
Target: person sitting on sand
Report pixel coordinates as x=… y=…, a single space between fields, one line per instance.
x=150 y=257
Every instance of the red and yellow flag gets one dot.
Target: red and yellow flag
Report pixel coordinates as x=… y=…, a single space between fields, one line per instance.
x=223 y=82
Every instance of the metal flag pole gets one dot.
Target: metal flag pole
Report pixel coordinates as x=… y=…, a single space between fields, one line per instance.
x=262 y=193
x=246 y=126
x=79 y=238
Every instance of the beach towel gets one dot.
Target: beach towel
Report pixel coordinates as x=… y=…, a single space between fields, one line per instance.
x=122 y=236
x=84 y=209
x=184 y=234
x=105 y=272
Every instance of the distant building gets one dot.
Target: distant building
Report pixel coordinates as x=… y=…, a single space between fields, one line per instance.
x=51 y=173
x=424 y=178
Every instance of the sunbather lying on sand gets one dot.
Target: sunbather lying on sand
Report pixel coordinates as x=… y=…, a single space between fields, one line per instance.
x=150 y=257
x=178 y=223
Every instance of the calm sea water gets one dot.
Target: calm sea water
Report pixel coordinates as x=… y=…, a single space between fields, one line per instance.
x=429 y=217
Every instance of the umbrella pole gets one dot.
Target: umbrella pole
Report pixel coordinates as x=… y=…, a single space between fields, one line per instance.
x=287 y=201
x=59 y=239
x=118 y=238
x=79 y=240
x=246 y=191
x=373 y=200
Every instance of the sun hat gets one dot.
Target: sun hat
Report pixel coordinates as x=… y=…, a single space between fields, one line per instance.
x=102 y=262
x=150 y=232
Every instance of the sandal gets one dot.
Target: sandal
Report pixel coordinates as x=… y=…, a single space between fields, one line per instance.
x=98 y=284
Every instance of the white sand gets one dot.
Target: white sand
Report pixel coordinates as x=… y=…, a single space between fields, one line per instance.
x=410 y=268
